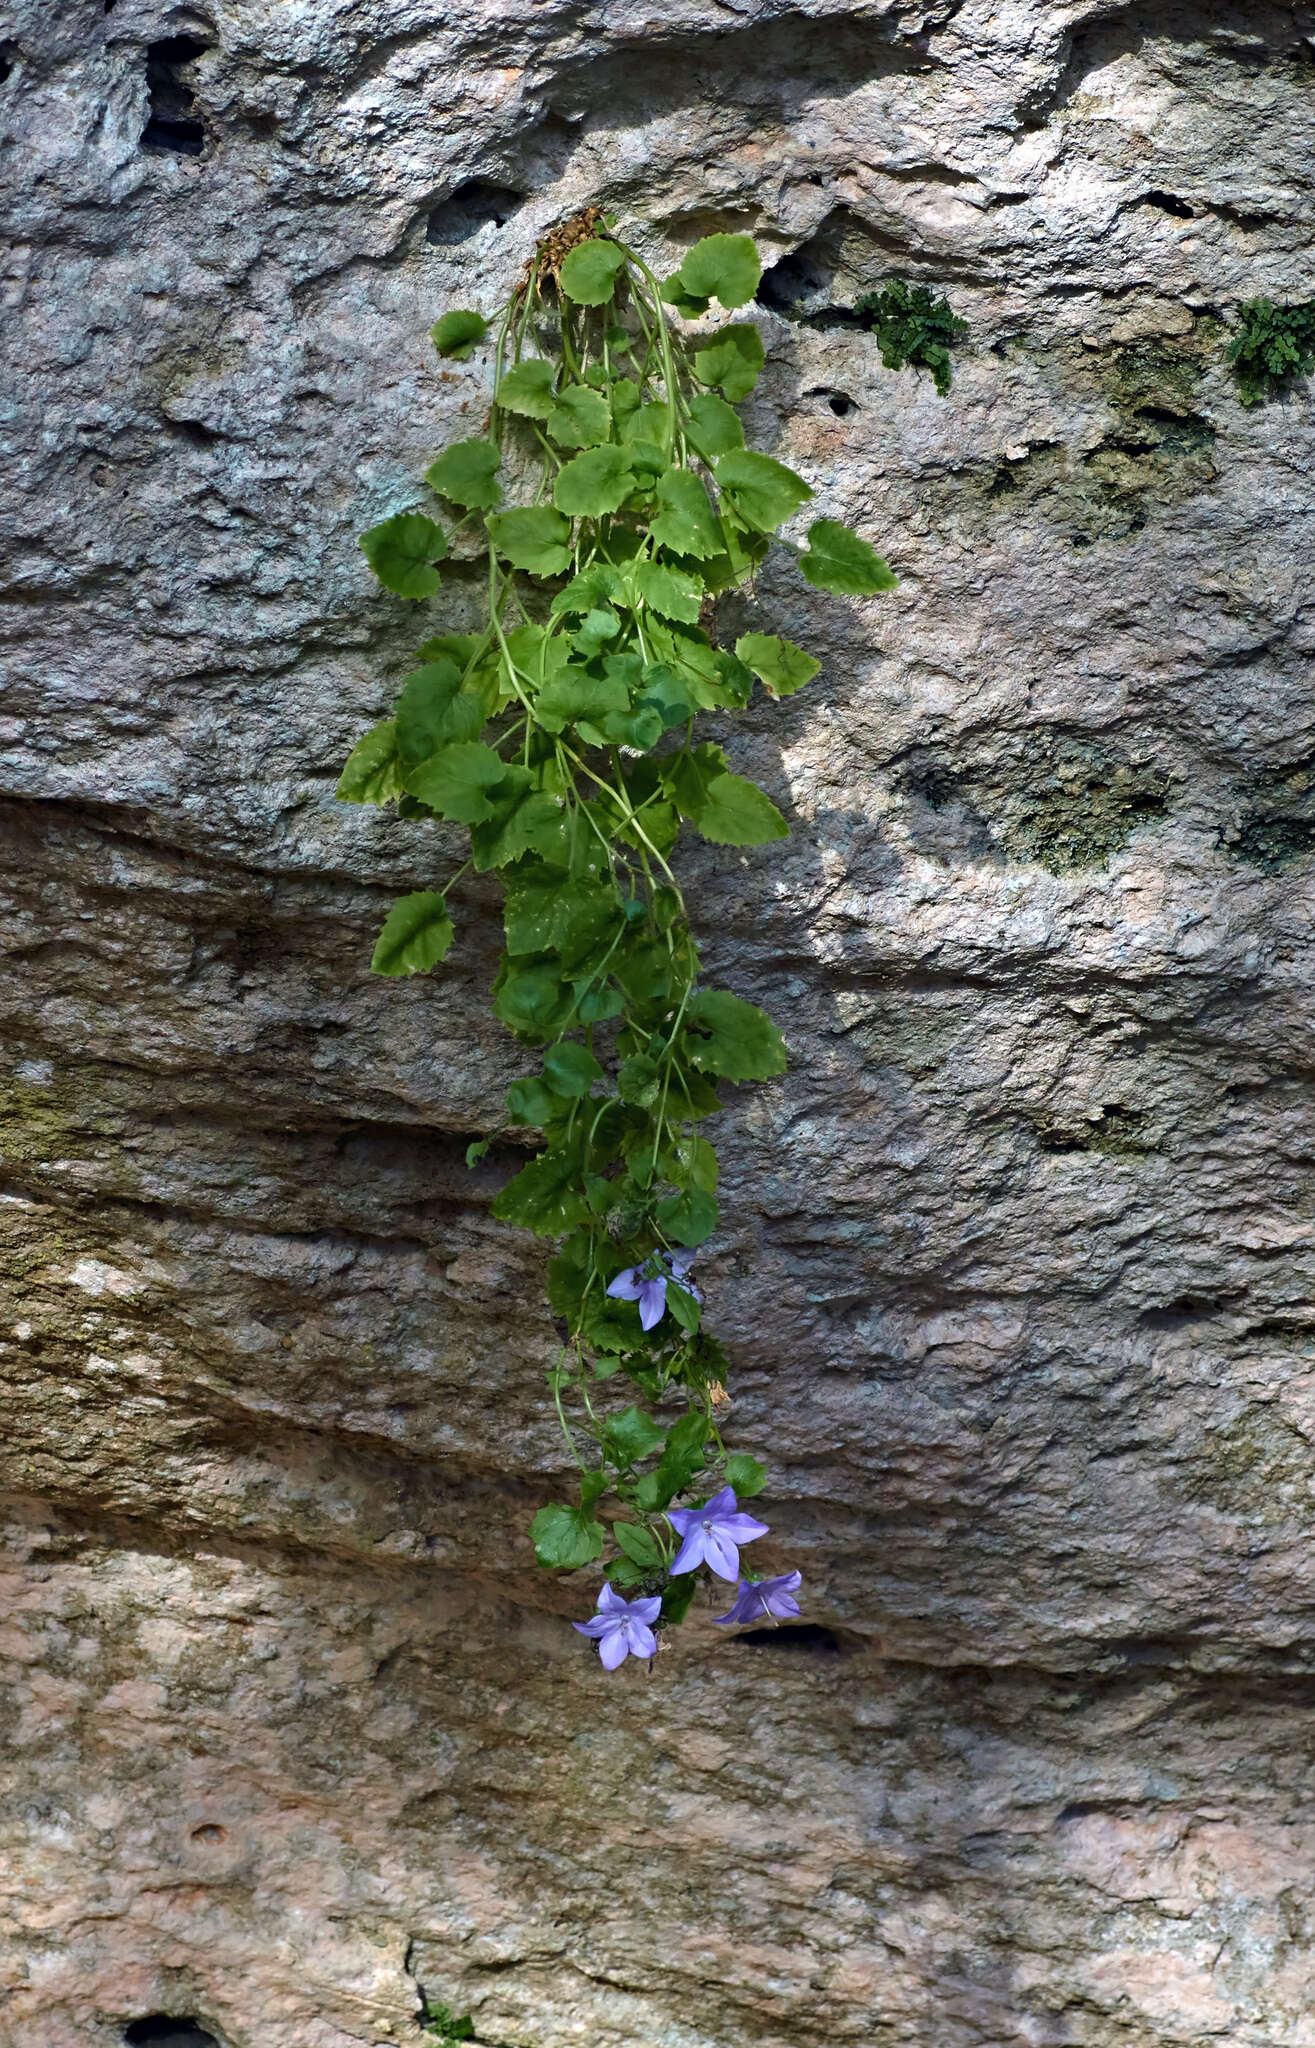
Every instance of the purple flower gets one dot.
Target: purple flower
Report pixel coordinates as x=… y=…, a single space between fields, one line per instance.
x=622 y=1628
x=756 y=1598
x=680 y=1263
x=649 y=1289
x=712 y=1534
x=647 y=1284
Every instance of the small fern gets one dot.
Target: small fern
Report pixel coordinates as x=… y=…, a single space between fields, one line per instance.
x=1273 y=344
x=912 y=326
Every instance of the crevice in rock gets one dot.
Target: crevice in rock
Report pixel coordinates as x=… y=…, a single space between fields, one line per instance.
x=10 y=55
x=173 y=124
x=472 y=206
x=163 y=2030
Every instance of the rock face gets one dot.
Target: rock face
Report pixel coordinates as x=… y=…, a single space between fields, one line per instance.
x=1017 y=1261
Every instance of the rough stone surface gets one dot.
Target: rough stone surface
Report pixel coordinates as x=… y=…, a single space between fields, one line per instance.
x=1018 y=1259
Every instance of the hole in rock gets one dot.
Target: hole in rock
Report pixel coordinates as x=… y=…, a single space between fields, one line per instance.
x=787 y=282
x=166 y=2030
x=808 y=1636
x=194 y=432
x=209 y=1832
x=1169 y=202
x=173 y=127
x=840 y=402
x=472 y=206
x=9 y=56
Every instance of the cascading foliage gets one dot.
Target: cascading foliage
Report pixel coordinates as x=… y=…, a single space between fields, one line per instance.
x=615 y=497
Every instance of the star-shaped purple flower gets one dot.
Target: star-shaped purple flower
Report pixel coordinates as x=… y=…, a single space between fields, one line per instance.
x=622 y=1628
x=770 y=1598
x=647 y=1284
x=712 y=1535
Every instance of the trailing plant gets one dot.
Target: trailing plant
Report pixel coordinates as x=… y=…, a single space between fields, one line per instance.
x=442 y=2023
x=613 y=497
x=912 y=325
x=1273 y=343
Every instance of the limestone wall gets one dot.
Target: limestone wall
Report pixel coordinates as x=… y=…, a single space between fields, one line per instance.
x=1017 y=1261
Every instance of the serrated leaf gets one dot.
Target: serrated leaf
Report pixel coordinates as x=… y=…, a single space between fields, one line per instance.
x=688 y=304
x=732 y=1038
x=456 y=334
x=687 y=775
x=528 y=389
x=416 y=935
x=678 y=1594
x=533 y=1000
x=684 y=519
x=571 y=1069
x=688 y=1218
x=574 y=694
x=630 y=1436
x=639 y=1080
x=525 y=820
x=722 y=267
x=763 y=491
x=594 y=483
x=779 y=665
x=745 y=1475
x=713 y=428
x=530 y=1101
x=588 y=274
x=737 y=813
x=672 y=593
x=466 y=474
x=533 y=538
x=566 y=1538
x=433 y=711
x=599 y=584
x=544 y=1197
x=669 y=695
x=840 y=561
x=732 y=360
x=548 y=915
x=581 y=418
x=401 y=551
x=639 y=1544
x=456 y=782
x=372 y=773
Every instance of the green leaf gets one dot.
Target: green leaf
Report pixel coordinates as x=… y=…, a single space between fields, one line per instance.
x=531 y=1103
x=599 y=584
x=581 y=418
x=466 y=474
x=840 y=561
x=683 y=1307
x=687 y=304
x=686 y=776
x=528 y=389
x=630 y=1436
x=588 y=274
x=544 y=914
x=533 y=538
x=525 y=820
x=593 y=483
x=714 y=427
x=456 y=334
x=669 y=695
x=476 y=1149
x=544 y=1197
x=684 y=520
x=570 y=1069
x=763 y=492
x=779 y=665
x=638 y=1543
x=723 y=267
x=533 y=1001
x=400 y=551
x=689 y=1217
x=671 y=592
x=745 y=1475
x=732 y=360
x=566 y=1538
x=372 y=773
x=433 y=710
x=737 y=813
x=456 y=782
x=573 y=694
x=678 y=1595
x=639 y=1080
x=732 y=1038
x=416 y=935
